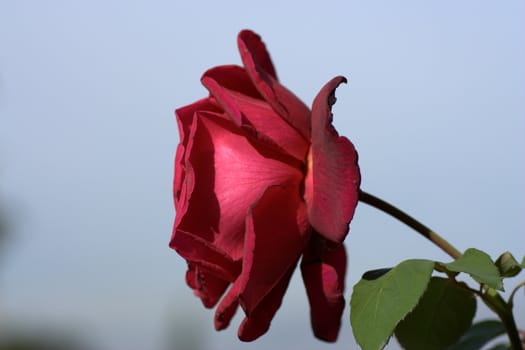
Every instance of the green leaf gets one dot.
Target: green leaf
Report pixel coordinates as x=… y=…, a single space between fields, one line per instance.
x=507 y=265
x=523 y=262
x=377 y=305
x=374 y=274
x=479 y=266
x=479 y=334
x=440 y=318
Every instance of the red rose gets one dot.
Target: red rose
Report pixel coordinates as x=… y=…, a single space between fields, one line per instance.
x=260 y=180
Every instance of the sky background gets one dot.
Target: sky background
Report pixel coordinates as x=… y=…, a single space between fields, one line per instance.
x=435 y=105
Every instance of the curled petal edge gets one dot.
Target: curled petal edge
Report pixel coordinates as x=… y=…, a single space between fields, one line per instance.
x=333 y=178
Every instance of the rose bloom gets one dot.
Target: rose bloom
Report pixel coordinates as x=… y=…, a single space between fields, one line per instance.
x=261 y=181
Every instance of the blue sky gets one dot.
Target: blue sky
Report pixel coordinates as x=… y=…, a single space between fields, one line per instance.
x=435 y=105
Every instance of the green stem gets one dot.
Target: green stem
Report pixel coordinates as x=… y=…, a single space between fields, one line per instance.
x=511 y=298
x=411 y=222
x=496 y=303
x=492 y=298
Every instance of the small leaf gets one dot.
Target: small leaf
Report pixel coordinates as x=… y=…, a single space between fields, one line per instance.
x=379 y=304
x=523 y=262
x=507 y=265
x=440 y=318
x=479 y=266
x=479 y=334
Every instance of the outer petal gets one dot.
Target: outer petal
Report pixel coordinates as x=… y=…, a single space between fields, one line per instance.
x=255 y=115
x=258 y=52
x=323 y=271
x=184 y=117
x=227 y=308
x=276 y=233
x=225 y=175
x=332 y=183
x=233 y=78
x=257 y=63
x=206 y=285
x=203 y=253
x=258 y=322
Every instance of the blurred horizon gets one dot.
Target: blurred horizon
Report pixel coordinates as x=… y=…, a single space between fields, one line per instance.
x=435 y=105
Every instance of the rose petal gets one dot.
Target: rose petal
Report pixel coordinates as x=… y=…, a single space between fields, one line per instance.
x=233 y=78
x=276 y=233
x=332 y=183
x=227 y=308
x=257 y=63
x=260 y=55
x=178 y=178
x=266 y=270
x=258 y=322
x=226 y=172
x=206 y=285
x=203 y=253
x=258 y=118
x=184 y=117
x=323 y=275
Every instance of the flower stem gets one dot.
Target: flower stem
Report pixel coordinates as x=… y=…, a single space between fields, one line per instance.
x=511 y=298
x=492 y=298
x=411 y=222
x=496 y=303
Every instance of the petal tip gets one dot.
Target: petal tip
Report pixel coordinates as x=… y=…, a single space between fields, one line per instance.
x=253 y=51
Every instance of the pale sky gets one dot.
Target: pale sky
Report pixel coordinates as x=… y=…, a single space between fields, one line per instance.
x=435 y=105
